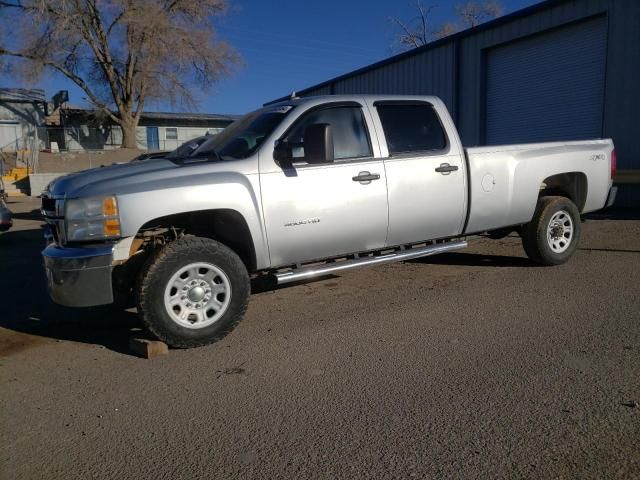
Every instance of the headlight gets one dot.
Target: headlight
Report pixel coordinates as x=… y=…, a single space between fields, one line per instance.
x=92 y=218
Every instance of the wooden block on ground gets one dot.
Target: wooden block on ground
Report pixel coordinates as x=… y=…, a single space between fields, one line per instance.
x=148 y=348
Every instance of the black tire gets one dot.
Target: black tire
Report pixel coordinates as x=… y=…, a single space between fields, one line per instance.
x=160 y=269
x=535 y=233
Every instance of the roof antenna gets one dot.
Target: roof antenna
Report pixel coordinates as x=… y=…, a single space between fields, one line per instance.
x=293 y=96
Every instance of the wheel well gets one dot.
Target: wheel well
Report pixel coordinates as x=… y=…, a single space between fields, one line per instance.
x=224 y=225
x=572 y=185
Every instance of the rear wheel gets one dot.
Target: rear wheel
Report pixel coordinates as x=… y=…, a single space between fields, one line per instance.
x=551 y=237
x=193 y=292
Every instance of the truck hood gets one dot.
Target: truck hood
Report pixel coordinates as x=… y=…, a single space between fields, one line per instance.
x=84 y=182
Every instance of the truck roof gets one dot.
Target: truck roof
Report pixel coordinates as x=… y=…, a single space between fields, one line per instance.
x=354 y=98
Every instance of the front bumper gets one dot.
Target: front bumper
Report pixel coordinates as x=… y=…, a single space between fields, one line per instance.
x=79 y=276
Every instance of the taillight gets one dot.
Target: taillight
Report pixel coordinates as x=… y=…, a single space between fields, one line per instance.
x=614 y=163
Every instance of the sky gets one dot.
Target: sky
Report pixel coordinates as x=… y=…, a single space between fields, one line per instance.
x=288 y=45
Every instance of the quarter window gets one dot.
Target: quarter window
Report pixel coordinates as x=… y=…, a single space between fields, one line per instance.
x=350 y=138
x=411 y=128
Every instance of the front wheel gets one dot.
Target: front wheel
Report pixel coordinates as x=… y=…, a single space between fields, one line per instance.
x=551 y=237
x=193 y=292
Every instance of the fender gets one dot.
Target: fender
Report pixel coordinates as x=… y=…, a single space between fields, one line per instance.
x=201 y=191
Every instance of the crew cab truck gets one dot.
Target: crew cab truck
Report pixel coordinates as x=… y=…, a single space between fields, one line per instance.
x=304 y=188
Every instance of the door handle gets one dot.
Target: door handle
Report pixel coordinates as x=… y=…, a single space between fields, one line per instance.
x=366 y=177
x=446 y=169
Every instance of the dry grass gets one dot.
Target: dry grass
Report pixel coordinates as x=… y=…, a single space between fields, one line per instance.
x=73 y=162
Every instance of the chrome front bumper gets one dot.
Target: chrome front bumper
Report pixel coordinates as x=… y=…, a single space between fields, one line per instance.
x=79 y=276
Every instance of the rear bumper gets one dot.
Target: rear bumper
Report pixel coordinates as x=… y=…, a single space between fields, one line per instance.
x=79 y=276
x=611 y=198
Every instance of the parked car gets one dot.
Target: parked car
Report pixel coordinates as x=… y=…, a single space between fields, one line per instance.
x=150 y=156
x=305 y=188
x=190 y=146
x=6 y=221
x=186 y=149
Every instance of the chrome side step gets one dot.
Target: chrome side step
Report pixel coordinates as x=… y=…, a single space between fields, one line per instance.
x=304 y=273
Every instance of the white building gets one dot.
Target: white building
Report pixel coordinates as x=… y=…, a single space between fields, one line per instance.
x=22 y=119
x=82 y=130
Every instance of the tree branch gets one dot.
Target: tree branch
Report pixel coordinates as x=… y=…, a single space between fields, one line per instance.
x=409 y=37
x=67 y=73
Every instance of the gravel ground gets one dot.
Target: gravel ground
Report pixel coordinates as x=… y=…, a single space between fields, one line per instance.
x=469 y=365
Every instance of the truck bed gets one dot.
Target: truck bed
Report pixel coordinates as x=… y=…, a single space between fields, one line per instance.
x=505 y=181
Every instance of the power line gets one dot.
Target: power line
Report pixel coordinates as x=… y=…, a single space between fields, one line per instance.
x=297 y=39
x=312 y=47
x=315 y=60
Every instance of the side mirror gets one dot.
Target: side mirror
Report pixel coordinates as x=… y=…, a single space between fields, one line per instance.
x=318 y=143
x=283 y=153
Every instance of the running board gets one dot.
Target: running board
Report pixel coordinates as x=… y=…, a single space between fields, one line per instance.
x=305 y=273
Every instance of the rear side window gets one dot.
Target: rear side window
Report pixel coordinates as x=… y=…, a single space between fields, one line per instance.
x=350 y=138
x=411 y=128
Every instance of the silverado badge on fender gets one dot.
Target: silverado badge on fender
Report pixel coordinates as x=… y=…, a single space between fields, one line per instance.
x=302 y=222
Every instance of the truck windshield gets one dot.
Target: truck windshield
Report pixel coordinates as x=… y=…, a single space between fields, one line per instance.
x=242 y=137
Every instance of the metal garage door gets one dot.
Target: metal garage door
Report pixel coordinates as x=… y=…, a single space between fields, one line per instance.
x=548 y=87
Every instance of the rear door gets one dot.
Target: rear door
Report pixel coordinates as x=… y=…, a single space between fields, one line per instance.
x=425 y=172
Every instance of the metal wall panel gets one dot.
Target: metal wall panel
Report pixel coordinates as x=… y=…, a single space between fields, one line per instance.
x=547 y=87
x=622 y=93
x=427 y=73
x=324 y=90
x=472 y=89
x=456 y=69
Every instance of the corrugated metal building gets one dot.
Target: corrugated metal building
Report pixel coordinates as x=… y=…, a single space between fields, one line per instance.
x=558 y=70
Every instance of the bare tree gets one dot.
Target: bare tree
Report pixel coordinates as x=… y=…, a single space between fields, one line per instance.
x=473 y=14
x=122 y=53
x=446 y=29
x=420 y=30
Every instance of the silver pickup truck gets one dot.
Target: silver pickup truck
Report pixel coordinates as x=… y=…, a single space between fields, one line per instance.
x=300 y=189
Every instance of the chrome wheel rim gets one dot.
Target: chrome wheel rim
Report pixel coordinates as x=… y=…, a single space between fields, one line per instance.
x=197 y=295
x=560 y=231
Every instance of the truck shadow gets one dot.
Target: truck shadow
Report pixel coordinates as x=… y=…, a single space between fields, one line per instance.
x=617 y=213
x=28 y=312
x=32 y=215
x=33 y=318
x=268 y=283
x=475 y=260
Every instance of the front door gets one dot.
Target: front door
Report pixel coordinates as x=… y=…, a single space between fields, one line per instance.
x=315 y=211
x=153 y=139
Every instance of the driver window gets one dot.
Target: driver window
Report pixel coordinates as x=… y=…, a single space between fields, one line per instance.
x=350 y=138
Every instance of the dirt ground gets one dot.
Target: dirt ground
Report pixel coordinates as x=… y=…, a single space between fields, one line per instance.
x=475 y=364
x=75 y=161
